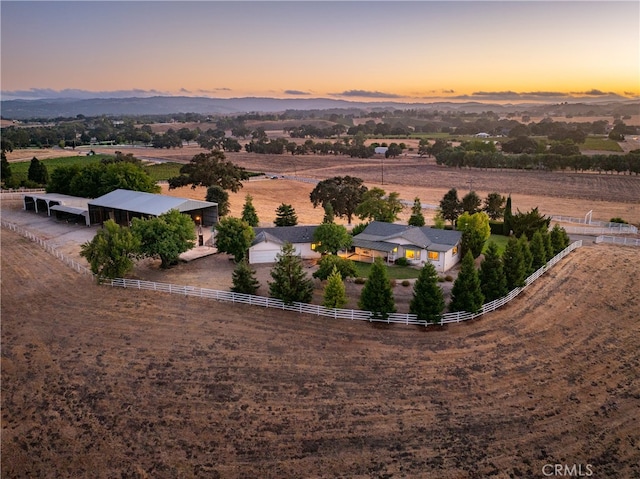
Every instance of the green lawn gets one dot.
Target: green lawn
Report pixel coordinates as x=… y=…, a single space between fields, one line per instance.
x=601 y=144
x=20 y=169
x=163 y=171
x=500 y=240
x=394 y=272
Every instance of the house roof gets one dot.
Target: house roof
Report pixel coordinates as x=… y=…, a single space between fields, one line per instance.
x=424 y=237
x=285 y=234
x=147 y=203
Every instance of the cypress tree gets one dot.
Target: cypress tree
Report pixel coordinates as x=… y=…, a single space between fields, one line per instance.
x=513 y=263
x=508 y=217
x=428 y=301
x=249 y=213
x=538 y=251
x=286 y=215
x=466 y=294
x=492 y=278
x=290 y=283
x=335 y=295
x=417 y=218
x=546 y=237
x=527 y=255
x=559 y=239
x=37 y=172
x=377 y=295
x=244 y=280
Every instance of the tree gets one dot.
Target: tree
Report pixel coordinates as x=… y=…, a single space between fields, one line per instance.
x=475 y=232
x=335 y=295
x=493 y=281
x=471 y=203
x=559 y=239
x=377 y=207
x=345 y=267
x=466 y=294
x=38 y=172
x=243 y=278
x=208 y=169
x=249 y=213
x=111 y=251
x=508 y=218
x=216 y=194
x=286 y=215
x=331 y=238
x=5 y=173
x=290 y=283
x=166 y=236
x=416 y=218
x=427 y=302
x=329 y=215
x=450 y=206
x=343 y=192
x=377 y=295
x=538 y=251
x=527 y=255
x=529 y=222
x=513 y=263
x=234 y=237
x=494 y=205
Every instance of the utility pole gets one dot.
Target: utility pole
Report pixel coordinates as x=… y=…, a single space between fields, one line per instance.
x=470 y=183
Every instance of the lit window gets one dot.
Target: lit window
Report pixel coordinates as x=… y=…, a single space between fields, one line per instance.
x=434 y=255
x=412 y=254
x=314 y=246
x=455 y=250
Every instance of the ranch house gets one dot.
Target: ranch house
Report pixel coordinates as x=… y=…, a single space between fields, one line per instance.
x=268 y=242
x=417 y=244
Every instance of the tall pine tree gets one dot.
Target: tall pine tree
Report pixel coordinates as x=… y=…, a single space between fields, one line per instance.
x=559 y=239
x=466 y=294
x=249 y=213
x=513 y=263
x=428 y=301
x=416 y=218
x=290 y=283
x=286 y=215
x=526 y=254
x=538 y=251
x=492 y=278
x=508 y=217
x=335 y=295
x=377 y=295
x=244 y=280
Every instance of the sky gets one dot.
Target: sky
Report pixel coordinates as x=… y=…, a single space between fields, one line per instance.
x=417 y=51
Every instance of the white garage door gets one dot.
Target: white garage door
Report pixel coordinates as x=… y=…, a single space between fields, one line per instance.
x=264 y=256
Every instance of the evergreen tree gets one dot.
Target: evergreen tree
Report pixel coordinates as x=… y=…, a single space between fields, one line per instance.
x=290 y=283
x=559 y=239
x=416 y=218
x=377 y=295
x=38 y=172
x=244 y=280
x=216 y=194
x=249 y=214
x=5 y=174
x=513 y=263
x=546 y=236
x=329 y=215
x=538 y=251
x=286 y=215
x=450 y=206
x=466 y=294
x=428 y=301
x=493 y=205
x=508 y=217
x=335 y=295
x=492 y=277
x=527 y=255
x=471 y=203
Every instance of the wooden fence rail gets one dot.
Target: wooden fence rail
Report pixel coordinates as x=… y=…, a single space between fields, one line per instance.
x=303 y=308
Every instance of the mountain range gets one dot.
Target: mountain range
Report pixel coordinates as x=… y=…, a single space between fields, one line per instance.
x=164 y=105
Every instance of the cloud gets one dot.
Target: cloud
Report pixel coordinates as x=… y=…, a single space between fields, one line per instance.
x=296 y=92
x=367 y=94
x=184 y=90
x=50 y=94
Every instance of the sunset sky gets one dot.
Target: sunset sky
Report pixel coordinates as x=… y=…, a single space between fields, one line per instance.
x=380 y=50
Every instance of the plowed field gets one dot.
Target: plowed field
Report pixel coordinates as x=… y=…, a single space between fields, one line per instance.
x=101 y=383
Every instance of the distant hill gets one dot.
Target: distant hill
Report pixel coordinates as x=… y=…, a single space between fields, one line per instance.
x=163 y=105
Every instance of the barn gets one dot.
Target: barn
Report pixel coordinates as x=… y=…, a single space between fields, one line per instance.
x=63 y=207
x=122 y=206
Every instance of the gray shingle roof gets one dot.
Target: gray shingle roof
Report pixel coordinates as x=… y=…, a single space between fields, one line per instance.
x=285 y=234
x=147 y=203
x=424 y=237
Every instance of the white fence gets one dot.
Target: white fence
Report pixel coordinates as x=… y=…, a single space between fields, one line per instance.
x=18 y=194
x=594 y=227
x=336 y=313
x=618 y=240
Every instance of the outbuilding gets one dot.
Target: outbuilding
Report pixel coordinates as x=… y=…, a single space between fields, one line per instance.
x=268 y=243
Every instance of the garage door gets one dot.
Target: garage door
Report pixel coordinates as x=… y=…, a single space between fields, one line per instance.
x=264 y=256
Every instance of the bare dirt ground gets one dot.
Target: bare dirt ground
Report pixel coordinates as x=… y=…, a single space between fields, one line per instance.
x=101 y=382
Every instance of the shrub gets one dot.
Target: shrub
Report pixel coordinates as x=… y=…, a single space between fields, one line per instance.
x=359 y=280
x=497 y=227
x=402 y=261
x=441 y=279
x=393 y=282
x=618 y=220
x=448 y=278
x=406 y=283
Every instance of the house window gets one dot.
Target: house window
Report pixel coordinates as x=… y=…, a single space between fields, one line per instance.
x=454 y=251
x=433 y=255
x=412 y=254
x=314 y=246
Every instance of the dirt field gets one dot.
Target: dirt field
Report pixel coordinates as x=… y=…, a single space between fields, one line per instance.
x=120 y=383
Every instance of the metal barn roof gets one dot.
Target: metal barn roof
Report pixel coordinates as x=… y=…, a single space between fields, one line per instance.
x=147 y=203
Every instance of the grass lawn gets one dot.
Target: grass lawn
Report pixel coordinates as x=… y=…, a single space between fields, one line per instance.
x=393 y=271
x=500 y=240
x=20 y=169
x=600 y=143
x=163 y=171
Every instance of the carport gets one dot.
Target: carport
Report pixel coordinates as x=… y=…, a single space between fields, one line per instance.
x=64 y=207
